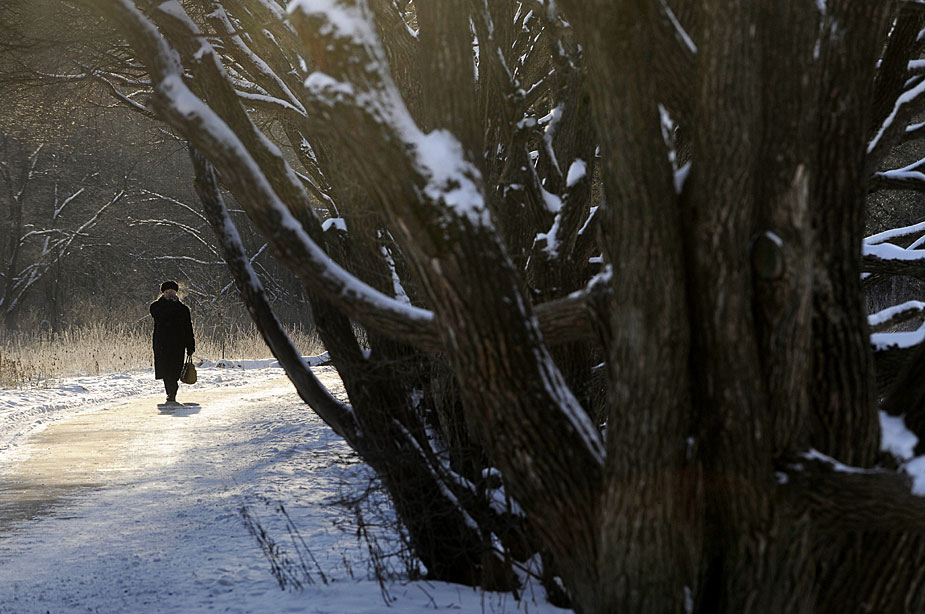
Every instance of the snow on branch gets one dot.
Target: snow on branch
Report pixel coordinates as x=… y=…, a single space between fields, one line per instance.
x=895 y=233
x=907 y=178
x=67 y=201
x=916 y=67
x=338 y=415
x=914 y=131
x=365 y=86
x=186 y=228
x=855 y=498
x=882 y=259
x=186 y=112
x=888 y=260
x=174 y=201
x=253 y=62
x=448 y=178
x=188 y=259
x=53 y=251
x=888 y=252
x=272 y=103
x=902 y=106
x=897 y=340
x=679 y=30
x=896 y=314
x=901 y=442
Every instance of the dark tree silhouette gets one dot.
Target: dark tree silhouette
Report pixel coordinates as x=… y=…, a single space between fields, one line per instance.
x=611 y=251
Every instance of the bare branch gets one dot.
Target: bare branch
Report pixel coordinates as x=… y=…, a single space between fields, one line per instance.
x=125 y=99
x=67 y=201
x=172 y=200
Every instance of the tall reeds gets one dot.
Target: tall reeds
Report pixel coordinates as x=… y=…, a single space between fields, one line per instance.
x=36 y=357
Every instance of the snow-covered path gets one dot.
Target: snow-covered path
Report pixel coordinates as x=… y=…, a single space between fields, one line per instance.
x=136 y=507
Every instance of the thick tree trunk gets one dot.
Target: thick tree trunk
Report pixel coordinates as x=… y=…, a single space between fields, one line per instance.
x=729 y=311
x=650 y=524
x=380 y=427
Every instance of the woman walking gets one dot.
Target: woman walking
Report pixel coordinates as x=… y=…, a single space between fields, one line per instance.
x=173 y=331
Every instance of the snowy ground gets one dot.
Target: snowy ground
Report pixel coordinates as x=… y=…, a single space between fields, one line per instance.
x=111 y=503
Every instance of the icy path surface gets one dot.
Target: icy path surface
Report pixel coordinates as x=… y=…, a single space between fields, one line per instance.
x=122 y=505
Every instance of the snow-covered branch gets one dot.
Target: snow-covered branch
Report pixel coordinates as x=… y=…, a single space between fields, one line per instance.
x=893 y=127
x=913 y=132
x=251 y=180
x=853 y=498
x=900 y=179
x=896 y=314
x=895 y=233
x=886 y=260
x=338 y=415
x=185 y=228
x=54 y=250
x=257 y=67
x=174 y=201
x=65 y=203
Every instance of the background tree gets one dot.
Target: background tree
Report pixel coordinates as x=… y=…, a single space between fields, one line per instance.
x=519 y=211
x=38 y=241
x=71 y=92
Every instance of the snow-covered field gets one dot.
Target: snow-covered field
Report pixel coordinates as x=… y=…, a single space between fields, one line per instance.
x=160 y=528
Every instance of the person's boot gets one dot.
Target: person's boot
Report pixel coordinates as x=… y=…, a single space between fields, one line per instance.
x=171 y=388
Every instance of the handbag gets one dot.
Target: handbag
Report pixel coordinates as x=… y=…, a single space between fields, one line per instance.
x=188 y=373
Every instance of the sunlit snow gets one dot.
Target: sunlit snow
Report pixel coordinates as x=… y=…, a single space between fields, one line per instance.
x=163 y=532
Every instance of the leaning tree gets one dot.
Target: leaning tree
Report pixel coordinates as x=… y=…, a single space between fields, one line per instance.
x=606 y=259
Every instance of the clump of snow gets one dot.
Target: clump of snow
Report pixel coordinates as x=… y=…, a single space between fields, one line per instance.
x=576 y=172
x=341 y=20
x=328 y=88
x=898 y=440
x=438 y=156
x=553 y=203
x=450 y=178
x=173 y=8
x=680 y=177
x=774 y=238
x=551 y=246
x=895 y=437
x=916 y=470
x=334 y=222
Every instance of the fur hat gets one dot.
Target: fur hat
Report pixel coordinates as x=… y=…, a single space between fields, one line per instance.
x=170 y=284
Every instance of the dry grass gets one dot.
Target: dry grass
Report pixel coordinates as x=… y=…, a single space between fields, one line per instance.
x=34 y=359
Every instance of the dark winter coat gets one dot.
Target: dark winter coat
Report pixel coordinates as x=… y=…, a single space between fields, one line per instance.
x=173 y=333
